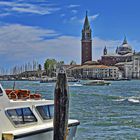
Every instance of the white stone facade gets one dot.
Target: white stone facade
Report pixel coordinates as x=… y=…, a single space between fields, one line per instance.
x=128 y=70
x=95 y=72
x=136 y=66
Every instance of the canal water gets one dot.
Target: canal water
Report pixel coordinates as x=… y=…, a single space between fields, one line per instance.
x=105 y=112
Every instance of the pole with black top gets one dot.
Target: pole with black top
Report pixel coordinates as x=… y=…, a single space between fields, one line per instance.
x=61 y=106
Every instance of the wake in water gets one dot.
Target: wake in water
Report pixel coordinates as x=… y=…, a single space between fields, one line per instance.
x=130 y=99
x=71 y=85
x=75 y=85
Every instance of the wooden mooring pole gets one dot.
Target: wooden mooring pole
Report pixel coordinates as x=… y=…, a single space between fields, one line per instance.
x=61 y=107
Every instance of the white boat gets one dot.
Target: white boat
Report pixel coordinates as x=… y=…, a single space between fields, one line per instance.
x=28 y=118
x=97 y=83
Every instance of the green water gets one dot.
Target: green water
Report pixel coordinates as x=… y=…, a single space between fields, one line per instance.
x=105 y=112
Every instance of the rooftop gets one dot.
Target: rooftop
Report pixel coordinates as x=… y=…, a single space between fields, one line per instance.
x=93 y=66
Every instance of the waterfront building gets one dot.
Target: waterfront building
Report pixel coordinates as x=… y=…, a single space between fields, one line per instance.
x=68 y=69
x=136 y=65
x=86 y=42
x=123 y=53
x=126 y=69
x=95 y=72
x=130 y=69
x=124 y=63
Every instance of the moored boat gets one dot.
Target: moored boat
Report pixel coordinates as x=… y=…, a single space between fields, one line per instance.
x=26 y=116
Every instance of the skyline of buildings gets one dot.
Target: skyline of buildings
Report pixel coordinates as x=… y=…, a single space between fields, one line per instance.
x=108 y=61
x=124 y=63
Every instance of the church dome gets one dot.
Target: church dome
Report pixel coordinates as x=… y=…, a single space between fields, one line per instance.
x=125 y=48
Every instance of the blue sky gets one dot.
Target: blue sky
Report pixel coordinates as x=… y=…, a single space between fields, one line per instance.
x=39 y=29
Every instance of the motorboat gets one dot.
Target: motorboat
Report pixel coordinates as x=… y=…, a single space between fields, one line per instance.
x=27 y=116
x=97 y=83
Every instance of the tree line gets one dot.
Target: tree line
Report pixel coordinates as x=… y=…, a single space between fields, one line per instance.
x=51 y=66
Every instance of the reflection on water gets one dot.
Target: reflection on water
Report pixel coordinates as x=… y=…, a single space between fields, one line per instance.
x=105 y=112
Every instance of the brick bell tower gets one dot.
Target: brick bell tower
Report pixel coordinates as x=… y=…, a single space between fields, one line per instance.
x=86 y=42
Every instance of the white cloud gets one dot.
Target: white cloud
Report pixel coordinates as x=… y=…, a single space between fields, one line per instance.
x=62 y=15
x=73 y=18
x=25 y=43
x=91 y=18
x=20 y=43
x=74 y=11
x=20 y=40
x=4 y=3
x=4 y=14
x=27 y=7
x=73 y=6
x=99 y=44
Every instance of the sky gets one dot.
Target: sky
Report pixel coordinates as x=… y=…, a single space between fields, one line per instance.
x=40 y=29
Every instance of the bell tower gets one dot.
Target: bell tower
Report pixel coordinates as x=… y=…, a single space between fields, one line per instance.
x=86 y=42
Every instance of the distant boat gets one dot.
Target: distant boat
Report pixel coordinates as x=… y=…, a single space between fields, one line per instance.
x=97 y=83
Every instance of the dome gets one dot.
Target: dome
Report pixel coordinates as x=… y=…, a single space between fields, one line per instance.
x=124 y=48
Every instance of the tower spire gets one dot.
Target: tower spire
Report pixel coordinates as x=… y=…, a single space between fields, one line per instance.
x=117 y=50
x=86 y=23
x=125 y=40
x=105 y=51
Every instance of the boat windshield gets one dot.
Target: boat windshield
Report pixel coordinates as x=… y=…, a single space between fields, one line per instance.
x=21 y=116
x=46 y=111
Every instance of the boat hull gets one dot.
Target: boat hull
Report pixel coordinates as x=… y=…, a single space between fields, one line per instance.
x=97 y=83
x=45 y=134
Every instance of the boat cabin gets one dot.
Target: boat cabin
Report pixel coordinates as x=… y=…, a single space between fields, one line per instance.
x=27 y=116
